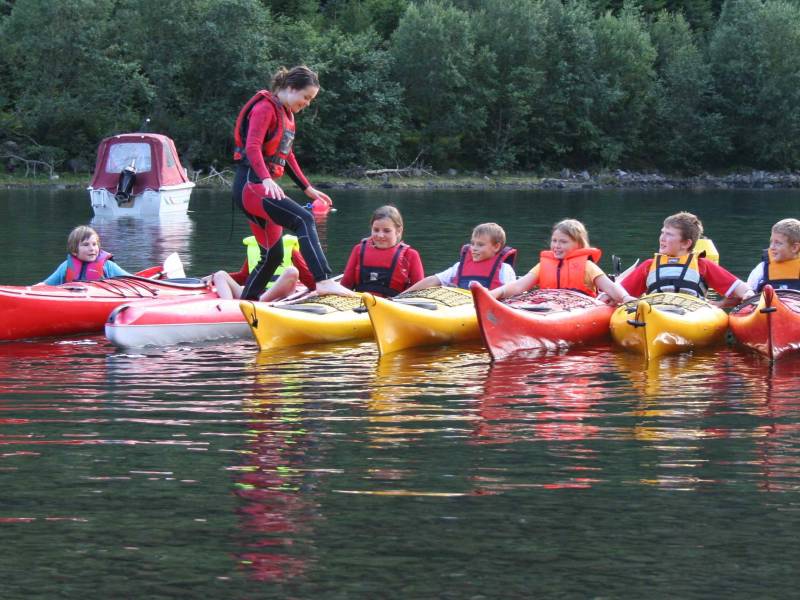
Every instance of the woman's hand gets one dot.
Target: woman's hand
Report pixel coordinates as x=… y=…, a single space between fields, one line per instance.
x=272 y=189
x=315 y=194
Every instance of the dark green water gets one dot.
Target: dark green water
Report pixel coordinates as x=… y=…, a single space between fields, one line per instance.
x=216 y=471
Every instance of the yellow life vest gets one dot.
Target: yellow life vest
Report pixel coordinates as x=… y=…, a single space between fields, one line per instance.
x=290 y=244
x=676 y=274
x=706 y=245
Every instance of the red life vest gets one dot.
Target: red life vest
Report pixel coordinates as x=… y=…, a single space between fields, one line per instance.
x=277 y=143
x=568 y=273
x=77 y=270
x=377 y=269
x=485 y=272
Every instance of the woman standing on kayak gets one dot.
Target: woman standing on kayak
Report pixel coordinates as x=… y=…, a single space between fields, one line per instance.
x=263 y=136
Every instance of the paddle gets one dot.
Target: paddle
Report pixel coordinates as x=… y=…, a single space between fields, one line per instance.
x=171 y=269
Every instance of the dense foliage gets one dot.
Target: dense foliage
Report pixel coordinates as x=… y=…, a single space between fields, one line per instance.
x=470 y=84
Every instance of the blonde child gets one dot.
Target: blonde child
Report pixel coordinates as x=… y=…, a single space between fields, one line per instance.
x=780 y=266
x=382 y=264
x=486 y=259
x=571 y=263
x=85 y=260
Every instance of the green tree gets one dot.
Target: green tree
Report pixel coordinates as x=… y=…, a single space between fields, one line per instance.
x=356 y=119
x=685 y=131
x=354 y=16
x=204 y=58
x=508 y=81
x=700 y=14
x=434 y=49
x=624 y=63
x=755 y=57
x=71 y=81
x=305 y=10
x=563 y=109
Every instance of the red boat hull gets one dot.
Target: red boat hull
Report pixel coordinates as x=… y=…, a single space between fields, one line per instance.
x=44 y=310
x=543 y=319
x=771 y=325
x=174 y=322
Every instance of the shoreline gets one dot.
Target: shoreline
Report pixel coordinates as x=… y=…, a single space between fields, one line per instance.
x=566 y=179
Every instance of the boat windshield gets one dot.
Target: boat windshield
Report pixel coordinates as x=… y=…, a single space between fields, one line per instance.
x=125 y=154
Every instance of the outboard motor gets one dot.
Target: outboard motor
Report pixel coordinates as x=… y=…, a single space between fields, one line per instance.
x=125 y=184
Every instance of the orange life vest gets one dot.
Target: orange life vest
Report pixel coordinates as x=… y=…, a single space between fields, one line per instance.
x=569 y=272
x=782 y=275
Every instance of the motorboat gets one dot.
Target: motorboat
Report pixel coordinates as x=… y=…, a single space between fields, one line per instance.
x=139 y=175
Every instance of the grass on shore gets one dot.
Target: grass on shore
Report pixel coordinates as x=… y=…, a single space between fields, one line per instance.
x=81 y=180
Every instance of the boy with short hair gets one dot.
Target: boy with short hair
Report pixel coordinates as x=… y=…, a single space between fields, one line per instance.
x=675 y=268
x=780 y=265
x=85 y=260
x=486 y=259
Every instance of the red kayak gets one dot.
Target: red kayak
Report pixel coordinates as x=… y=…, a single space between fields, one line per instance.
x=178 y=321
x=541 y=319
x=80 y=307
x=769 y=323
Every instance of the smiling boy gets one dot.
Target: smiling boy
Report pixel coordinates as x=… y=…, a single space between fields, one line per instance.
x=486 y=259
x=675 y=268
x=85 y=260
x=780 y=266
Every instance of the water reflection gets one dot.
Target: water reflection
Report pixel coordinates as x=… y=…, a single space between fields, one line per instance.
x=687 y=404
x=550 y=397
x=321 y=221
x=283 y=460
x=777 y=451
x=149 y=240
x=411 y=391
x=560 y=400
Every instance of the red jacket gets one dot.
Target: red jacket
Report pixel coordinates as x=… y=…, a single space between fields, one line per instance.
x=77 y=270
x=263 y=135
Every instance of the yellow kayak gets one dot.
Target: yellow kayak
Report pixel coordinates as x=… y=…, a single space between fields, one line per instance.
x=439 y=315
x=314 y=320
x=666 y=323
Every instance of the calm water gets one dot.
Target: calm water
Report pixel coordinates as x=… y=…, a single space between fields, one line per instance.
x=216 y=471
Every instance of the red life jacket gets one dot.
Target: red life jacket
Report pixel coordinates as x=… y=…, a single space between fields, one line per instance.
x=277 y=143
x=485 y=272
x=377 y=269
x=77 y=270
x=568 y=273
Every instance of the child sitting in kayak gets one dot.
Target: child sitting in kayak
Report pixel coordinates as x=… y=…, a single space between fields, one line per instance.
x=780 y=265
x=382 y=264
x=283 y=282
x=675 y=268
x=85 y=260
x=569 y=264
x=486 y=259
